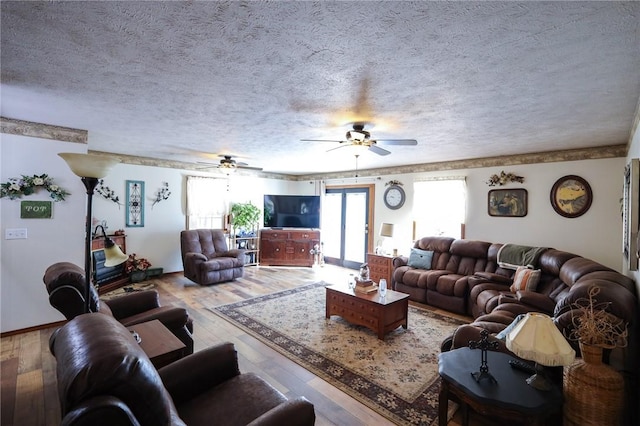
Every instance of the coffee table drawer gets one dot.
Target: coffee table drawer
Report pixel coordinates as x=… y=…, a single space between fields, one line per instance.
x=352 y=303
x=355 y=317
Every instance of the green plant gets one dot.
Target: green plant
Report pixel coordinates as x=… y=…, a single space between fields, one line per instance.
x=244 y=216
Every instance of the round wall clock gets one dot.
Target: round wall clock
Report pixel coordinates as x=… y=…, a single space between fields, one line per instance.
x=571 y=196
x=394 y=197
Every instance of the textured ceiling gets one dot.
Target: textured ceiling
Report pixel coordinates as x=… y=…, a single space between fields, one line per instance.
x=465 y=79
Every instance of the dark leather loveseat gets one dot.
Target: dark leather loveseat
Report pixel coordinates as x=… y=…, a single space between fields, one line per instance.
x=105 y=378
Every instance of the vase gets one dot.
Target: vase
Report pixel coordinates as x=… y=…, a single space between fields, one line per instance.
x=593 y=391
x=137 y=276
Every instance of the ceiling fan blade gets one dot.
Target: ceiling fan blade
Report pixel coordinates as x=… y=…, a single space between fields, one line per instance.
x=343 y=145
x=397 y=141
x=249 y=168
x=319 y=140
x=378 y=150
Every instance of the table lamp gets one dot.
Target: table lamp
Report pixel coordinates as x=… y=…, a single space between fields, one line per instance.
x=90 y=168
x=386 y=231
x=536 y=338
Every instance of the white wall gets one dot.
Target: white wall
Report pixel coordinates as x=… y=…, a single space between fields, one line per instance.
x=24 y=300
x=634 y=152
x=596 y=235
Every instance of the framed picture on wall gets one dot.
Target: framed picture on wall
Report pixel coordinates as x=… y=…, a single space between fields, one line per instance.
x=507 y=202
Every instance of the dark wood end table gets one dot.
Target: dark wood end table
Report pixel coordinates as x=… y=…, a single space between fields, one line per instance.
x=511 y=399
x=381 y=315
x=161 y=346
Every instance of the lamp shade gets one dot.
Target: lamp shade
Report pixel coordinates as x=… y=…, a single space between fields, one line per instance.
x=113 y=255
x=537 y=338
x=386 y=230
x=89 y=165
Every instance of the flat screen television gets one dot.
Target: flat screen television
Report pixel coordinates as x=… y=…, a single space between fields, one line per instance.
x=292 y=211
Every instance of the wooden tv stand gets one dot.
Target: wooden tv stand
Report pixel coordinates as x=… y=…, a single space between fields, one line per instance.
x=288 y=246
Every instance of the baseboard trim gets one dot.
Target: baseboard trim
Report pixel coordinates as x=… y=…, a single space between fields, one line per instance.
x=34 y=328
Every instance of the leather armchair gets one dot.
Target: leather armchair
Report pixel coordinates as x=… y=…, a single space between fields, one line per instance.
x=206 y=258
x=65 y=284
x=104 y=378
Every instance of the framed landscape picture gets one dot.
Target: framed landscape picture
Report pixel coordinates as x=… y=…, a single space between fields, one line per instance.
x=508 y=202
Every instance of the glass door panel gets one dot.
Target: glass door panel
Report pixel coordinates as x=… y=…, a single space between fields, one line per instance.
x=331 y=225
x=355 y=235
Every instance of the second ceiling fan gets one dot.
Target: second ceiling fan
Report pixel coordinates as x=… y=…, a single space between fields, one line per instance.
x=361 y=138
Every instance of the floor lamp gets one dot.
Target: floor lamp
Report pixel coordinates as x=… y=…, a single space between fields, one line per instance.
x=90 y=168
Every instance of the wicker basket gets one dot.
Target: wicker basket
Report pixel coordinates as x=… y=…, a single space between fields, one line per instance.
x=593 y=391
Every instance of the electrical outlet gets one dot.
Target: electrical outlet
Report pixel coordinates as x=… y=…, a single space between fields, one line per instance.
x=15 y=234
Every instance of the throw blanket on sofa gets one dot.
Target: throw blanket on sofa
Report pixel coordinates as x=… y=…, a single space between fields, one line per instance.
x=510 y=256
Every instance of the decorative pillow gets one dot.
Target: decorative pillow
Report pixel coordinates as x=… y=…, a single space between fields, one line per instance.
x=420 y=259
x=525 y=279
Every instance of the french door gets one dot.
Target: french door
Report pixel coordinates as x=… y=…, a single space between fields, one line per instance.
x=346 y=214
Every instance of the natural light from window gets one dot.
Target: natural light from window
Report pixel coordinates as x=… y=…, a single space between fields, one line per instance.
x=439 y=207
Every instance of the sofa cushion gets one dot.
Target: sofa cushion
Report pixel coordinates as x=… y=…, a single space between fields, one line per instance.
x=420 y=259
x=525 y=279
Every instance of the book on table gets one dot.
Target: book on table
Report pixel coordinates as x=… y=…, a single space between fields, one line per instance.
x=366 y=289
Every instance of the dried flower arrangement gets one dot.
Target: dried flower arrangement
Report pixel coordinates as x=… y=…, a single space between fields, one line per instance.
x=134 y=264
x=595 y=326
x=504 y=178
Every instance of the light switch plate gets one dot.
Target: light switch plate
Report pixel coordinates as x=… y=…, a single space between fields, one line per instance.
x=15 y=234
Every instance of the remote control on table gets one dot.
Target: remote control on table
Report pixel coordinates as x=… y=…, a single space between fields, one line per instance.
x=522 y=366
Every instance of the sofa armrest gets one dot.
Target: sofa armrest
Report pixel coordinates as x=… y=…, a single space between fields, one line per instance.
x=192 y=375
x=400 y=261
x=294 y=412
x=133 y=303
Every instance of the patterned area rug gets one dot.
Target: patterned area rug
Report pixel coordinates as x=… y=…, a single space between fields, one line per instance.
x=397 y=377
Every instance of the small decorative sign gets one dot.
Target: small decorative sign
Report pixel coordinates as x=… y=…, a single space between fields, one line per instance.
x=35 y=209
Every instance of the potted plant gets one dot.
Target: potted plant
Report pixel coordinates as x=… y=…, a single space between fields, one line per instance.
x=244 y=218
x=594 y=390
x=136 y=268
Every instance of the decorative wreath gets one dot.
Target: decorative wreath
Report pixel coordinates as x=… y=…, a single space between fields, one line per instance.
x=27 y=185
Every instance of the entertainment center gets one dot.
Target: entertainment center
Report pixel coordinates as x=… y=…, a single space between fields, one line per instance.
x=288 y=247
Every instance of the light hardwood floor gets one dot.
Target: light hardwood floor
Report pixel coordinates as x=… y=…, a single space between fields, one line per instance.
x=29 y=394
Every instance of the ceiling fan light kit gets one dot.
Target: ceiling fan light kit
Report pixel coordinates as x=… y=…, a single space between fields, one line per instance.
x=358 y=137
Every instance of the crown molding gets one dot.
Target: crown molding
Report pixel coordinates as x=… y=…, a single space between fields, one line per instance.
x=43 y=131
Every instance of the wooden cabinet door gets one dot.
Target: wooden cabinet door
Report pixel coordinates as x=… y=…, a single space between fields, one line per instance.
x=272 y=251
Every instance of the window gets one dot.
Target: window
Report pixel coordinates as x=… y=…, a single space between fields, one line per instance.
x=439 y=207
x=206 y=202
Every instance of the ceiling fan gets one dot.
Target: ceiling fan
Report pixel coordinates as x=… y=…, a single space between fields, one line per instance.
x=229 y=165
x=359 y=137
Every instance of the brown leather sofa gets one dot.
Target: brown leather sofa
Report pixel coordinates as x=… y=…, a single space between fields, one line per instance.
x=206 y=258
x=105 y=378
x=65 y=284
x=465 y=278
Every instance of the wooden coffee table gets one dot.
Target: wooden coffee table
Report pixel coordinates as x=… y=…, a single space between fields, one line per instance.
x=369 y=310
x=161 y=346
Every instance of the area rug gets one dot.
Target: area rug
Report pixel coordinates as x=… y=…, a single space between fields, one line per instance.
x=129 y=288
x=397 y=377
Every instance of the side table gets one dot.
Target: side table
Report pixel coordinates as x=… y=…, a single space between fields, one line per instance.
x=161 y=346
x=511 y=399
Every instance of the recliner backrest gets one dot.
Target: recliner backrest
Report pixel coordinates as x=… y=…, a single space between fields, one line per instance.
x=97 y=357
x=65 y=284
x=205 y=241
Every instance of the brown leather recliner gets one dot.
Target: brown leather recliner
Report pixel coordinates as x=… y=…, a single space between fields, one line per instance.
x=65 y=284
x=206 y=258
x=105 y=378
